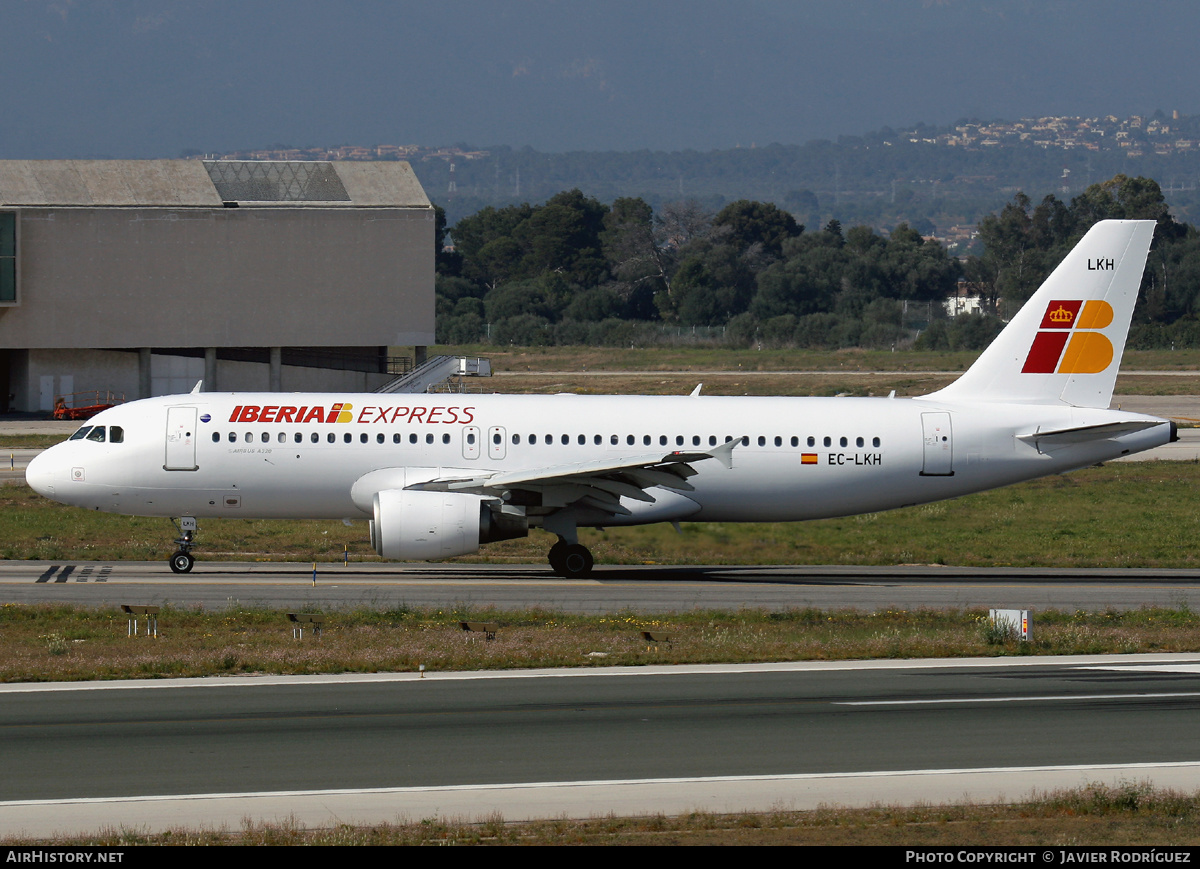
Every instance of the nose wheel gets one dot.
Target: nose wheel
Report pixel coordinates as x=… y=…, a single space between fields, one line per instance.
x=183 y=560
x=570 y=560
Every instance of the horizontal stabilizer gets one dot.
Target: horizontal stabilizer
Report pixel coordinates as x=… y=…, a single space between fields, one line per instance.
x=1085 y=433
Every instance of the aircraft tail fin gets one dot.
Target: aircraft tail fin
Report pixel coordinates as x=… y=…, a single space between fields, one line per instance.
x=1065 y=344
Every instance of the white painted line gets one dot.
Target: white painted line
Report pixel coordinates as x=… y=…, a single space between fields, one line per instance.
x=1030 y=699
x=1090 y=661
x=695 y=780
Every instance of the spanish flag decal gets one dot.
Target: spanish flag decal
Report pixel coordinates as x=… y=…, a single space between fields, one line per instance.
x=808 y=458
x=1064 y=325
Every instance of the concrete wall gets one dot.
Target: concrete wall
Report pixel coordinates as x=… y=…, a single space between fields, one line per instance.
x=225 y=277
x=37 y=376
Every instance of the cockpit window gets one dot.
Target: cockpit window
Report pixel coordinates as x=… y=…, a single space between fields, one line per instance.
x=116 y=434
x=96 y=434
x=81 y=434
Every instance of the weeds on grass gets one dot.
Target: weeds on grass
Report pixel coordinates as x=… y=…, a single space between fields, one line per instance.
x=56 y=642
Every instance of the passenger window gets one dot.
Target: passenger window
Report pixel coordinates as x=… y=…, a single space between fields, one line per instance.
x=470 y=438
x=812 y=441
x=695 y=440
x=396 y=438
x=762 y=441
x=662 y=440
x=745 y=440
x=282 y=437
x=613 y=440
x=347 y=437
x=216 y=437
x=874 y=442
x=379 y=438
x=858 y=442
x=597 y=440
x=412 y=438
x=795 y=441
x=429 y=438
x=678 y=440
x=629 y=440
x=96 y=434
x=298 y=438
x=843 y=441
x=266 y=437
x=362 y=438
x=81 y=433
x=516 y=439
x=233 y=437
x=446 y=438
x=566 y=439
x=582 y=440
x=533 y=439
x=712 y=440
x=646 y=440
x=249 y=437
x=331 y=438
x=778 y=441
x=828 y=441
x=315 y=438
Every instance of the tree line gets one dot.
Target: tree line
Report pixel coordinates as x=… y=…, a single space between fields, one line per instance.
x=574 y=270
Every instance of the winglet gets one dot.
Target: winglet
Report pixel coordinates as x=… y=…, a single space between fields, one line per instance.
x=724 y=453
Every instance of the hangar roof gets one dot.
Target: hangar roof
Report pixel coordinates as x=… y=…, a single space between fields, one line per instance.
x=209 y=183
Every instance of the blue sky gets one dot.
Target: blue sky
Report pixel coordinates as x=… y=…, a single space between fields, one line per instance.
x=151 y=78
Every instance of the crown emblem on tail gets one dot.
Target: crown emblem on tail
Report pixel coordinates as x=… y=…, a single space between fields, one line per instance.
x=1061 y=315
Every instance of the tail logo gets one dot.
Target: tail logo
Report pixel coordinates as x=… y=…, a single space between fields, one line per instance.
x=1065 y=325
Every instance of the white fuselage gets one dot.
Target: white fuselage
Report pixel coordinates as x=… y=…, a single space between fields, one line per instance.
x=271 y=455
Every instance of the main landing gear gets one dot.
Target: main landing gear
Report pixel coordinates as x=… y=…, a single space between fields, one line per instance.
x=183 y=560
x=571 y=560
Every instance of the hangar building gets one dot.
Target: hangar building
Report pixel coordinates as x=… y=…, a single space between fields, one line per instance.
x=142 y=277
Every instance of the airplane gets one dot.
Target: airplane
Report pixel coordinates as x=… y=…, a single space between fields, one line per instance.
x=437 y=476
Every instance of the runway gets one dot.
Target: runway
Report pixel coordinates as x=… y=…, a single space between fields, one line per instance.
x=380 y=747
x=644 y=588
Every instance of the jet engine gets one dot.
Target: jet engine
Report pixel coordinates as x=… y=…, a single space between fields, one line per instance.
x=412 y=525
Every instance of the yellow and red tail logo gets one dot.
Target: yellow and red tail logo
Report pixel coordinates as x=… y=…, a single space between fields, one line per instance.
x=1088 y=351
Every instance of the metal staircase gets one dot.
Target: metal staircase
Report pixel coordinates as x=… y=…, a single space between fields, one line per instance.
x=439 y=370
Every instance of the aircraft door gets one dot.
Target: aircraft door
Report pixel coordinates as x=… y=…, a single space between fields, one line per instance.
x=470 y=443
x=496 y=445
x=181 y=439
x=939 y=445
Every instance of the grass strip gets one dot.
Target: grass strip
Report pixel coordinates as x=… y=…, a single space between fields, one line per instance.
x=1125 y=514
x=54 y=642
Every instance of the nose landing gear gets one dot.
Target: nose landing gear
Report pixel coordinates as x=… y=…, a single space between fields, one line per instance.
x=570 y=560
x=182 y=560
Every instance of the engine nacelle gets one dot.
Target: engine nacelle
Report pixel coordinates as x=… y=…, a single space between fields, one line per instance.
x=418 y=525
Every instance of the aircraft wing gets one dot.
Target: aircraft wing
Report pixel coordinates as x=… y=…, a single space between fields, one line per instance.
x=599 y=484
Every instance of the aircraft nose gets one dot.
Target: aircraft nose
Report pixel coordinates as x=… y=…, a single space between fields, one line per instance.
x=39 y=474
